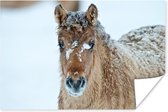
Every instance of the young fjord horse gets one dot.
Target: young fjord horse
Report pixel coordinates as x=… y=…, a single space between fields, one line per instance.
x=99 y=73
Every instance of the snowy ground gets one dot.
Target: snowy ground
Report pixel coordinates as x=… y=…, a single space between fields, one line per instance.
x=29 y=69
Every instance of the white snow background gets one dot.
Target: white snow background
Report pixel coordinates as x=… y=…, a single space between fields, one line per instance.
x=29 y=55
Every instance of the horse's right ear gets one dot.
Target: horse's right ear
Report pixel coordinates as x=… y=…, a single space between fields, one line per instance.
x=92 y=14
x=60 y=14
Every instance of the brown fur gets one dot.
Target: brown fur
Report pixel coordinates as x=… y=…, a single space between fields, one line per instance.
x=109 y=85
x=109 y=68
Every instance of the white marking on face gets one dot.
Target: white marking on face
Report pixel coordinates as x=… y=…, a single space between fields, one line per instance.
x=74 y=44
x=70 y=50
x=86 y=46
x=80 y=59
x=79 y=56
x=68 y=53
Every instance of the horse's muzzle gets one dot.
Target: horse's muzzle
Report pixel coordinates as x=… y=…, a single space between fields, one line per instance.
x=75 y=87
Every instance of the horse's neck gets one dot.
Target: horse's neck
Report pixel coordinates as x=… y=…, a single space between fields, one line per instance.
x=102 y=63
x=104 y=51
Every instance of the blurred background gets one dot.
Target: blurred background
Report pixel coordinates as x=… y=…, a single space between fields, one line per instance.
x=29 y=55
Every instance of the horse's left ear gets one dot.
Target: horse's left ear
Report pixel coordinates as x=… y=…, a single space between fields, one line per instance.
x=60 y=13
x=92 y=14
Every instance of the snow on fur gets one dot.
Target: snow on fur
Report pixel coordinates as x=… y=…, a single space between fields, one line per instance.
x=138 y=54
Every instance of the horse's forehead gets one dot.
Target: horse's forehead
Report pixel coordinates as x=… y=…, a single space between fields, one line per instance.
x=74 y=35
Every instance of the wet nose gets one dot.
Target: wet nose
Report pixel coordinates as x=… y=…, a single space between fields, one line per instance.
x=75 y=84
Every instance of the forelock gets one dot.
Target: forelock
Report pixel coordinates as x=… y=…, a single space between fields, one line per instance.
x=75 y=19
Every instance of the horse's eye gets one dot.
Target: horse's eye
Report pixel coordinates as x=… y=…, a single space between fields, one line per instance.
x=61 y=44
x=91 y=44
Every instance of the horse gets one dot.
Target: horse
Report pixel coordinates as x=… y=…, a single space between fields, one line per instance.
x=98 y=72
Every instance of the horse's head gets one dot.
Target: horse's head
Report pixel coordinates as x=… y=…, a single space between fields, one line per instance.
x=77 y=42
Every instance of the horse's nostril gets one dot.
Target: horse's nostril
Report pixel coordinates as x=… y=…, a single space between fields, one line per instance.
x=69 y=82
x=82 y=83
